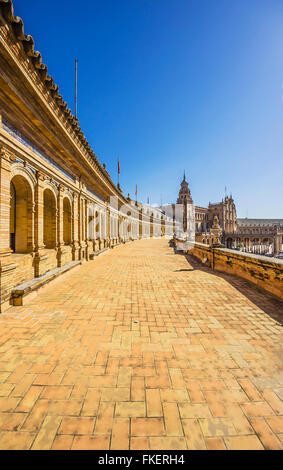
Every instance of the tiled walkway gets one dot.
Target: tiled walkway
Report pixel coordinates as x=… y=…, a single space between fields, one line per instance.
x=139 y=350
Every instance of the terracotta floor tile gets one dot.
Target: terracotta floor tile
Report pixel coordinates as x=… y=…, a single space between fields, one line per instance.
x=16 y=440
x=120 y=436
x=167 y=443
x=215 y=443
x=139 y=443
x=91 y=443
x=80 y=425
x=62 y=443
x=147 y=427
x=142 y=349
x=243 y=443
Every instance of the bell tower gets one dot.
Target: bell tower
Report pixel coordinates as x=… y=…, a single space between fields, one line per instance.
x=185 y=199
x=184 y=193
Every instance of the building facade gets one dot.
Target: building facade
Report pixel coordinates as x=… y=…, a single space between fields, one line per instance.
x=218 y=225
x=58 y=204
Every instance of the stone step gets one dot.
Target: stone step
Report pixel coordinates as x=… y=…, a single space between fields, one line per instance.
x=98 y=252
x=22 y=290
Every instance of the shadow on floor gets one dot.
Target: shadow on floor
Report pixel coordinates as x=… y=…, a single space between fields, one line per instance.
x=264 y=300
x=180 y=270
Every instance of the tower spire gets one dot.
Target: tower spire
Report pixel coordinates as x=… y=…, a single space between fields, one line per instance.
x=184 y=193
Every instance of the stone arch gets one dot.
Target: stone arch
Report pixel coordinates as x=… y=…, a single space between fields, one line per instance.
x=19 y=169
x=21 y=211
x=52 y=187
x=69 y=196
x=67 y=220
x=49 y=218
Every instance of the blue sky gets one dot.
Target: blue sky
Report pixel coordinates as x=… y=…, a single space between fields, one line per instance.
x=174 y=85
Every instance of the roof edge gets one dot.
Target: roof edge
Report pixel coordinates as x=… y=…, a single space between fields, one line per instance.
x=35 y=57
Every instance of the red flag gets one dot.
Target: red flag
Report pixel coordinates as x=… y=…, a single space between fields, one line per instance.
x=118 y=167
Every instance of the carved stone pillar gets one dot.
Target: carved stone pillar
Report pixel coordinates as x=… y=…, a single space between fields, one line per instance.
x=60 y=226
x=102 y=231
x=88 y=243
x=39 y=256
x=141 y=223
x=108 y=226
x=98 y=231
x=121 y=233
x=81 y=227
x=75 y=228
x=95 y=230
x=151 y=226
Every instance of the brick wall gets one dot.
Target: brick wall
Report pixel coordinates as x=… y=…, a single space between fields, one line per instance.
x=25 y=268
x=266 y=273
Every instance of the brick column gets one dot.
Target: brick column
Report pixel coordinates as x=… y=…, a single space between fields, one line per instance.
x=96 y=233
x=121 y=229
x=151 y=226
x=75 y=227
x=7 y=266
x=6 y=160
x=60 y=225
x=108 y=226
x=88 y=243
x=112 y=230
x=99 y=230
x=38 y=227
x=81 y=227
x=140 y=223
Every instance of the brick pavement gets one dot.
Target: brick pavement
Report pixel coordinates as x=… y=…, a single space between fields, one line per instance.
x=141 y=350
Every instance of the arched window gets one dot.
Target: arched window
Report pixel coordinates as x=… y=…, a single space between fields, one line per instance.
x=49 y=219
x=21 y=232
x=67 y=221
x=12 y=217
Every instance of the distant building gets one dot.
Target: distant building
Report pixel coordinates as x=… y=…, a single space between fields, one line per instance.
x=218 y=224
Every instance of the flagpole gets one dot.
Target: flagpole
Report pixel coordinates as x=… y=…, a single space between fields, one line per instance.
x=76 y=86
x=118 y=174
